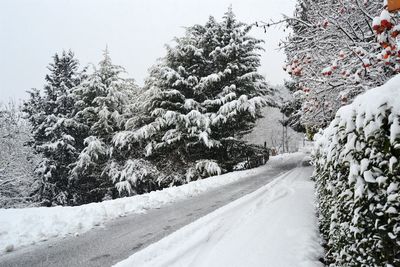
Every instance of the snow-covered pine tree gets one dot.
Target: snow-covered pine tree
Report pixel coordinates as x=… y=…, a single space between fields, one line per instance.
x=234 y=88
x=204 y=92
x=131 y=173
x=102 y=102
x=54 y=130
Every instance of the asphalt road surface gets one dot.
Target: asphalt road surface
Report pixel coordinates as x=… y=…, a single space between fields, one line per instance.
x=120 y=238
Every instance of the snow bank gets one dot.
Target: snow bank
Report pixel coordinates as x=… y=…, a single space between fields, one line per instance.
x=273 y=226
x=19 y=227
x=358 y=176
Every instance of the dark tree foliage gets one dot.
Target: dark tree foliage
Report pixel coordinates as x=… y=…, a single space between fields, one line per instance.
x=54 y=130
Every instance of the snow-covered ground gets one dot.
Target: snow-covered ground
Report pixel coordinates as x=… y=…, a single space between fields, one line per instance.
x=20 y=227
x=274 y=226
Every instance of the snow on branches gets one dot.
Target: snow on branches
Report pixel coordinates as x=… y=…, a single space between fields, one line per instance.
x=202 y=169
x=338 y=50
x=131 y=177
x=201 y=96
x=103 y=108
x=205 y=89
x=54 y=129
x=17 y=161
x=101 y=136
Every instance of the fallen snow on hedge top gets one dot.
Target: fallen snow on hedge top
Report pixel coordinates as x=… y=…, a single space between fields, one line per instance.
x=369 y=109
x=19 y=227
x=357 y=172
x=373 y=105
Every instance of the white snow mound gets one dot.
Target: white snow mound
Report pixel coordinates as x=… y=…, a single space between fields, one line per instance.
x=20 y=227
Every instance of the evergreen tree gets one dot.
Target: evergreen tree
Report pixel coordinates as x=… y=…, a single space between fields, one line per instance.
x=233 y=94
x=54 y=130
x=102 y=101
x=203 y=94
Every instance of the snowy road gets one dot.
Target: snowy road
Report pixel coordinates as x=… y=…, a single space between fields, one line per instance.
x=274 y=226
x=122 y=237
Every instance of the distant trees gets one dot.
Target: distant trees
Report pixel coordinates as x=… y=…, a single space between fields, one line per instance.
x=17 y=161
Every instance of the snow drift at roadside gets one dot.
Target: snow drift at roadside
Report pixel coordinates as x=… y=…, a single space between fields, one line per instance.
x=20 y=227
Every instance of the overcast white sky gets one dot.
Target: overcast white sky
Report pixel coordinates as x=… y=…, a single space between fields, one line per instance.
x=31 y=31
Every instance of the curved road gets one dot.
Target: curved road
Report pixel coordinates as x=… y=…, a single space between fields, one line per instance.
x=118 y=239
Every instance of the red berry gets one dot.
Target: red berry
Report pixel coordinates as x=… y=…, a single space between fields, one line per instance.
x=386 y=24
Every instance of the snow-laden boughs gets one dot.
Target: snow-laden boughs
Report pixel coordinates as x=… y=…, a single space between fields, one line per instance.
x=94 y=129
x=358 y=176
x=202 y=169
x=204 y=91
x=208 y=168
x=54 y=129
x=136 y=176
x=102 y=106
x=336 y=51
x=73 y=124
x=94 y=151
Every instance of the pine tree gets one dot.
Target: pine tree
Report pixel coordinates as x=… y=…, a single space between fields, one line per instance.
x=204 y=93
x=54 y=130
x=102 y=102
x=233 y=97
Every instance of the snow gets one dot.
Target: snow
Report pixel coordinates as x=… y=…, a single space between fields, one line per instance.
x=392 y=188
x=356 y=163
x=370 y=107
x=21 y=227
x=208 y=167
x=368 y=177
x=273 y=226
x=385 y=15
x=376 y=22
x=326 y=70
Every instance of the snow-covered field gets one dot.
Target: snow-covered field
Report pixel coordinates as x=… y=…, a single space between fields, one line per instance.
x=274 y=226
x=20 y=227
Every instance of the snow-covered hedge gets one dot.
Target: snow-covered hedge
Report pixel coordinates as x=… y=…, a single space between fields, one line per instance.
x=358 y=175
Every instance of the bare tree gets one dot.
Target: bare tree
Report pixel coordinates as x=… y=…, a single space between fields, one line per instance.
x=336 y=51
x=17 y=161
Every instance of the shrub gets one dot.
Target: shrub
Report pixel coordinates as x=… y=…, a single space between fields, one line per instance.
x=357 y=173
